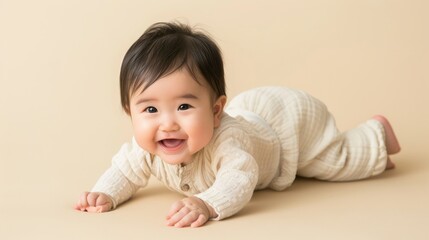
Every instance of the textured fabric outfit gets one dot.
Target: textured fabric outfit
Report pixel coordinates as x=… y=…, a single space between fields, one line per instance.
x=267 y=136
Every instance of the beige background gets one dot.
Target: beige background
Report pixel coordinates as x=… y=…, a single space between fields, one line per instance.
x=61 y=120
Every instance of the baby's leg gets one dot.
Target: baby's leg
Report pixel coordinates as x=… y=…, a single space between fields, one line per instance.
x=392 y=144
x=355 y=154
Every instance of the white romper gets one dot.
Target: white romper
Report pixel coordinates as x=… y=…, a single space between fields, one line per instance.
x=267 y=136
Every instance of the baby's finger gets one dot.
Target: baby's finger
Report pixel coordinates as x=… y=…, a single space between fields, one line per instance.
x=77 y=207
x=105 y=207
x=187 y=220
x=83 y=203
x=97 y=209
x=175 y=208
x=92 y=199
x=200 y=221
x=103 y=199
x=177 y=217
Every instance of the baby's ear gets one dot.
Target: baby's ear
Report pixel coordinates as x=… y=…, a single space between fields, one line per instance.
x=218 y=110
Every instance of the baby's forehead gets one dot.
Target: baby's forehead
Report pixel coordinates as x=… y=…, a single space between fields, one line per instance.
x=143 y=84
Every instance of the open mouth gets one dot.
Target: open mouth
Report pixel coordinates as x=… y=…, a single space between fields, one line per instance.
x=171 y=144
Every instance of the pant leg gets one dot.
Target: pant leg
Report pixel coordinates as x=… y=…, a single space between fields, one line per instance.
x=355 y=154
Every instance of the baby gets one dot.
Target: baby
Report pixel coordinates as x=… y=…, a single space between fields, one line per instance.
x=173 y=88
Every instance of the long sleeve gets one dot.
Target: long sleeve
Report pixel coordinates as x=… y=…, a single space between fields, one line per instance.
x=128 y=173
x=236 y=178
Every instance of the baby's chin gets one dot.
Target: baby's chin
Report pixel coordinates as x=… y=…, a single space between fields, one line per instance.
x=175 y=160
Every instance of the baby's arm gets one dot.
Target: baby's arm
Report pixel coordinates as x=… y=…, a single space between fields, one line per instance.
x=94 y=202
x=128 y=173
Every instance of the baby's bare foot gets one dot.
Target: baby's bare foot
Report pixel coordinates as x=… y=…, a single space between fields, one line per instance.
x=392 y=144
x=389 y=164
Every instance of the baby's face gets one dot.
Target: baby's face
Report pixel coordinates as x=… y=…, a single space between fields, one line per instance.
x=175 y=117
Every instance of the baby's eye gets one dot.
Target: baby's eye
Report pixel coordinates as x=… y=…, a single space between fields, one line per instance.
x=151 y=110
x=184 y=107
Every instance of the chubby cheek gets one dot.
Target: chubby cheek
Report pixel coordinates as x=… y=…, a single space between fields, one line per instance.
x=200 y=133
x=144 y=135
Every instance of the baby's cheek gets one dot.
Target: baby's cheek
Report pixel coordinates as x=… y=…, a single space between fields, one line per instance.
x=144 y=138
x=146 y=144
x=201 y=137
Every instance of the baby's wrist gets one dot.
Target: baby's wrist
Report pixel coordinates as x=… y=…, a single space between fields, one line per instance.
x=212 y=213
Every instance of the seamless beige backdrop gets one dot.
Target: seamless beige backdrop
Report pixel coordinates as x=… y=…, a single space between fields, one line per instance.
x=61 y=120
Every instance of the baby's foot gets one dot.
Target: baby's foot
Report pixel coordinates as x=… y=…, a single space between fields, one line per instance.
x=389 y=164
x=392 y=144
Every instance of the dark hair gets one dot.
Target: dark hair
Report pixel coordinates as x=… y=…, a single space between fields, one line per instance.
x=164 y=48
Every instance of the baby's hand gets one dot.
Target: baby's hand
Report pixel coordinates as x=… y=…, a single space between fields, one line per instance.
x=189 y=212
x=94 y=202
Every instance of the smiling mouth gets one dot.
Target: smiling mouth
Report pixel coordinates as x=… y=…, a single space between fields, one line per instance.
x=171 y=144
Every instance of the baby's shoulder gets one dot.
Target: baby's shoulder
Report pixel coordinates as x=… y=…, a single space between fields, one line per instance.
x=230 y=127
x=231 y=133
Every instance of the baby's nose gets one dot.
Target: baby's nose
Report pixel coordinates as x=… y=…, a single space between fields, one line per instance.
x=169 y=124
